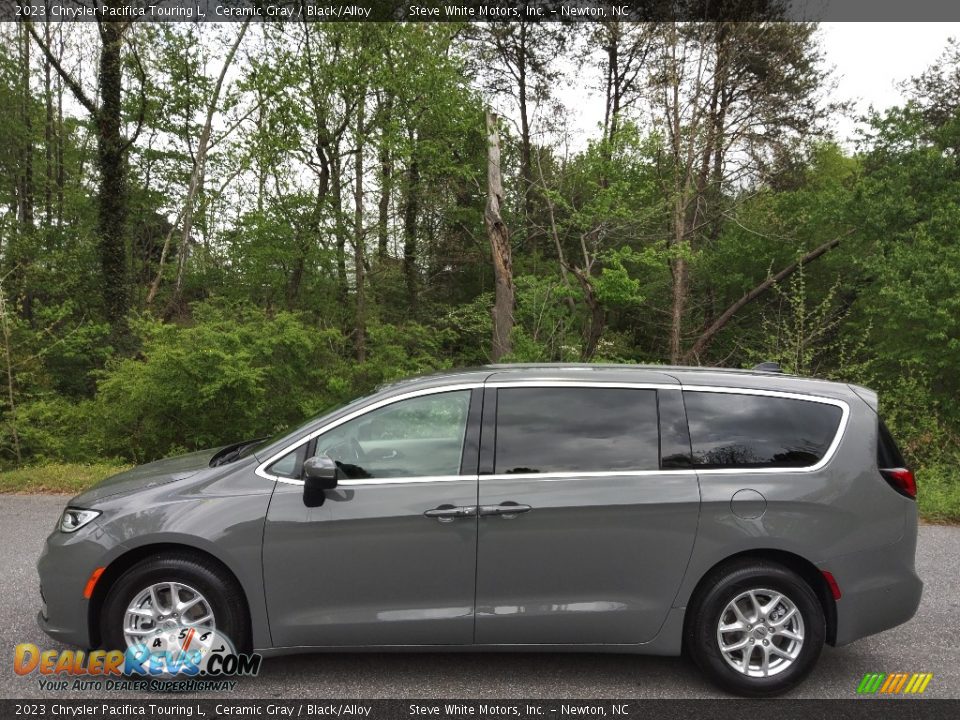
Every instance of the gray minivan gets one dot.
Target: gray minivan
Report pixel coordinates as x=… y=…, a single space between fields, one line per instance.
x=745 y=517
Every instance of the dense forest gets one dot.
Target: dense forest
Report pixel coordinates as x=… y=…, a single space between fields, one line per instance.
x=211 y=232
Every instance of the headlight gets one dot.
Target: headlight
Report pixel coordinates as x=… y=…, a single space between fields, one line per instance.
x=74 y=518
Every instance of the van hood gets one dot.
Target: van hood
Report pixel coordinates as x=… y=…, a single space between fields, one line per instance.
x=159 y=472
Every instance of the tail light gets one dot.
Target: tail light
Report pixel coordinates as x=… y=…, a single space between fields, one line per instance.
x=901 y=480
x=892 y=465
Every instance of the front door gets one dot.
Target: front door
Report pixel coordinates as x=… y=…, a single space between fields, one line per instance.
x=583 y=539
x=368 y=567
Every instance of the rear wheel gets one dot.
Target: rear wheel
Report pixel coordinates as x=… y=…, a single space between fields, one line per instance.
x=167 y=602
x=756 y=629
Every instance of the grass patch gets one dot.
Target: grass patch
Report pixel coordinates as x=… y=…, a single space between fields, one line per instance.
x=69 y=478
x=938 y=491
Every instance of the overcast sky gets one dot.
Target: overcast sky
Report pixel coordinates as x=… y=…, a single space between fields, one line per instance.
x=869 y=60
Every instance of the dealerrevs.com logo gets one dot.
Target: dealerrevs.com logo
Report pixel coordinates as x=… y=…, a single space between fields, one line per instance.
x=894 y=683
x=207 y=661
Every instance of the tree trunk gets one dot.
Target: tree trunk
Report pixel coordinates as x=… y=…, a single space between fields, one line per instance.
x=336 y=199
x=11 y=396
x=598 y=316
x=555 y=234
x=411 y=209
x=386 y=172
x=112 y=219
x=499 y=237
x=26 y=156
x=196 y=182
x=678 y=273
x=63 y=77
x=360 y=309
x=61 y=173
x=47 y=135
x=21 y=258
x=526 y=153
x=612 y=111
x=295 y=280
x=383 y=205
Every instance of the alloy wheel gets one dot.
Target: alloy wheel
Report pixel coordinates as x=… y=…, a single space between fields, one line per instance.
x=760 y=633
x=168 y=616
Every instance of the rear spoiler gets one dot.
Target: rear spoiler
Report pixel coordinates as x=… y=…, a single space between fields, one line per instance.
x=865 y=394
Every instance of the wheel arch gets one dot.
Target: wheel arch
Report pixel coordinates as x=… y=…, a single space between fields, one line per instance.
x=119 y=565
x=797 y=563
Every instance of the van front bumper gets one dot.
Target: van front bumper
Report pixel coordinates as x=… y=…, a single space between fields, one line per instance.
x=64 y=567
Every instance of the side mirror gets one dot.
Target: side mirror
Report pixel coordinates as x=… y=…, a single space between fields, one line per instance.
x=320 y=473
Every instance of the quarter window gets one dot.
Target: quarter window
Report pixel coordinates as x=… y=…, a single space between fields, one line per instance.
x=417 y=437
x=733 y=430
x=541 y=430
x=289 y=465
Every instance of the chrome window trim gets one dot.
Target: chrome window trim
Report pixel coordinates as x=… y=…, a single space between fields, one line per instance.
x=561 y=383
x=389 y=481
x=585 y=474
x=262 y=467
x=828 y=455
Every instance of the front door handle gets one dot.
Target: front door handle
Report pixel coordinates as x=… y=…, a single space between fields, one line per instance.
x=507 y=509
x=448 y=513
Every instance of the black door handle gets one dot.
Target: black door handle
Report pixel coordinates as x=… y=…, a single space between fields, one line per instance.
x=448 y=513
x=506 y=509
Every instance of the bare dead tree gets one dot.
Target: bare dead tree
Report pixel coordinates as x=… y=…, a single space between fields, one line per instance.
x=499 y=236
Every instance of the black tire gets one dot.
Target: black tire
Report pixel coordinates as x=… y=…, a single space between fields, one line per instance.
x=710 y=602
x=210 y=579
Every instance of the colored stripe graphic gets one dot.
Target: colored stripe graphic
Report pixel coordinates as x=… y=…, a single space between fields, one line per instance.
x=890 y=682
x=871 y=682
x=894 y=683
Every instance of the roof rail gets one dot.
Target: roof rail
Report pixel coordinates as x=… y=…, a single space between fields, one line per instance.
x=769 y=366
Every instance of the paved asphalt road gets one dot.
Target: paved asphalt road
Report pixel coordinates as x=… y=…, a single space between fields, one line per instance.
x=928 y=643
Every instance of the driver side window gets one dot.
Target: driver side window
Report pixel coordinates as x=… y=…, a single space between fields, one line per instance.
x=418 y=437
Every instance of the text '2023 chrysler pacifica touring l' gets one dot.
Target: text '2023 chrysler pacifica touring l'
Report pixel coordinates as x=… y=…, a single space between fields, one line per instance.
x=744 y=517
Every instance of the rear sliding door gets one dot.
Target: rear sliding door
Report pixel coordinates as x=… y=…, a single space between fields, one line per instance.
x=582 y=537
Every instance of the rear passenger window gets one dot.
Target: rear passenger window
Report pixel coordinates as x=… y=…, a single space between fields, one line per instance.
x=732 y=430
x=542 y=430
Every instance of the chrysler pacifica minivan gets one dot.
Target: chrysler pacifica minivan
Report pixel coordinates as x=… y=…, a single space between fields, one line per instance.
x=744 y=517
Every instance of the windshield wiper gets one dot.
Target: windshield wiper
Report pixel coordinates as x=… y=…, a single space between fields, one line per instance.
x=232 y=452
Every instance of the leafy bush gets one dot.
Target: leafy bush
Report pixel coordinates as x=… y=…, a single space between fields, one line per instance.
x=938 y=491
x=236 y=372
x=55 y=429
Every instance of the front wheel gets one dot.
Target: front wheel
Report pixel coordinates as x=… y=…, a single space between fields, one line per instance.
x=757 y=629
x=172 y=604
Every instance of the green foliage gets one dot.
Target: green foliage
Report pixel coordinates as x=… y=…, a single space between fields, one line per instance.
x=234 y=373
x=617 y=287
x=939 y=491
x=53 y=428
x=302 y=287
x=543 y=331
x=805 y=332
